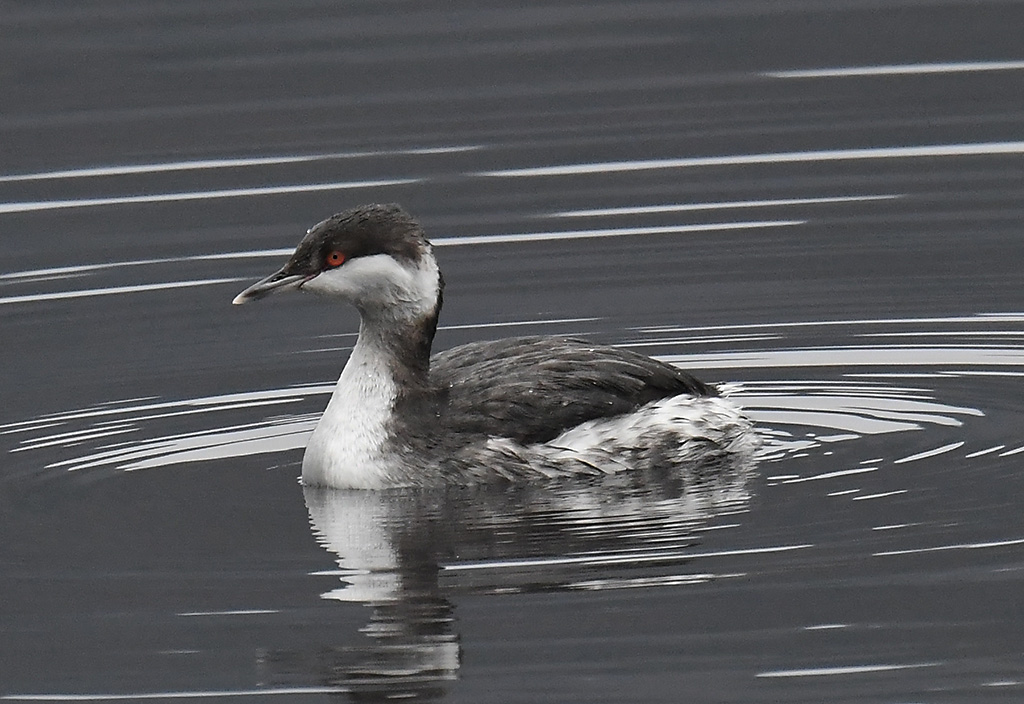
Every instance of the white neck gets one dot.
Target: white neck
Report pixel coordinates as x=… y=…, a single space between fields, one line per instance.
x=398 y=306
x=347 y=448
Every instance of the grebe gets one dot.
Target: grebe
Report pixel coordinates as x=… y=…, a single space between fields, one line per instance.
x=518 y=408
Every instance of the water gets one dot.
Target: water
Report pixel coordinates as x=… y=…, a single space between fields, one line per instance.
x=818 y=205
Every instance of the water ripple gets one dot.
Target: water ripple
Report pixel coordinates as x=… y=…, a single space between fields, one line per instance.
x=795 y=415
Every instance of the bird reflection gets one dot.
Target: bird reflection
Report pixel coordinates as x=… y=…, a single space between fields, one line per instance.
x=407 y=553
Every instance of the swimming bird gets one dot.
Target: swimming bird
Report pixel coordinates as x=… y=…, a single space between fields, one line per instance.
x=516 y=409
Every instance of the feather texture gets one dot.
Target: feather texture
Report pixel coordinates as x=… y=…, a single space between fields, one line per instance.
x=532 y=389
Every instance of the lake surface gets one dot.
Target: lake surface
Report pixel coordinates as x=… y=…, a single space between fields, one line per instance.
x=817 y=204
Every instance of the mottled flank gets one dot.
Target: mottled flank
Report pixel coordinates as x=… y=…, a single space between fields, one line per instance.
x=548 y=407
x=672 y=432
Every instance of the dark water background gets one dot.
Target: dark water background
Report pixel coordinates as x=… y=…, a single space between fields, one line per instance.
x=818 y=202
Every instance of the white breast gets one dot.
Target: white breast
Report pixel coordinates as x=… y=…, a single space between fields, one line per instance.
x=346 y=449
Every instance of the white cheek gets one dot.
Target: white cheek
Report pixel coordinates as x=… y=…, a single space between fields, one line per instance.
x=334 y=282
x=380 y=280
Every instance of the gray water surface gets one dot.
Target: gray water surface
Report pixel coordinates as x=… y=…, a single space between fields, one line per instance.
x=817 y=204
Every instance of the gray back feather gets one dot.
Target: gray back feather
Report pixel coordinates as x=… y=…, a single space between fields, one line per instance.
x=531 y=389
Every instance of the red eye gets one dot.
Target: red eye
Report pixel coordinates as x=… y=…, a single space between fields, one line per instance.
x=335 y=258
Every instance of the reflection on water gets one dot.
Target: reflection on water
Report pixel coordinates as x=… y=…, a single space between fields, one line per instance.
x=882 y=418
x=405 y=554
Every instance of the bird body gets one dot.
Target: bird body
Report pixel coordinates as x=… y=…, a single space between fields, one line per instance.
x=518 y=408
